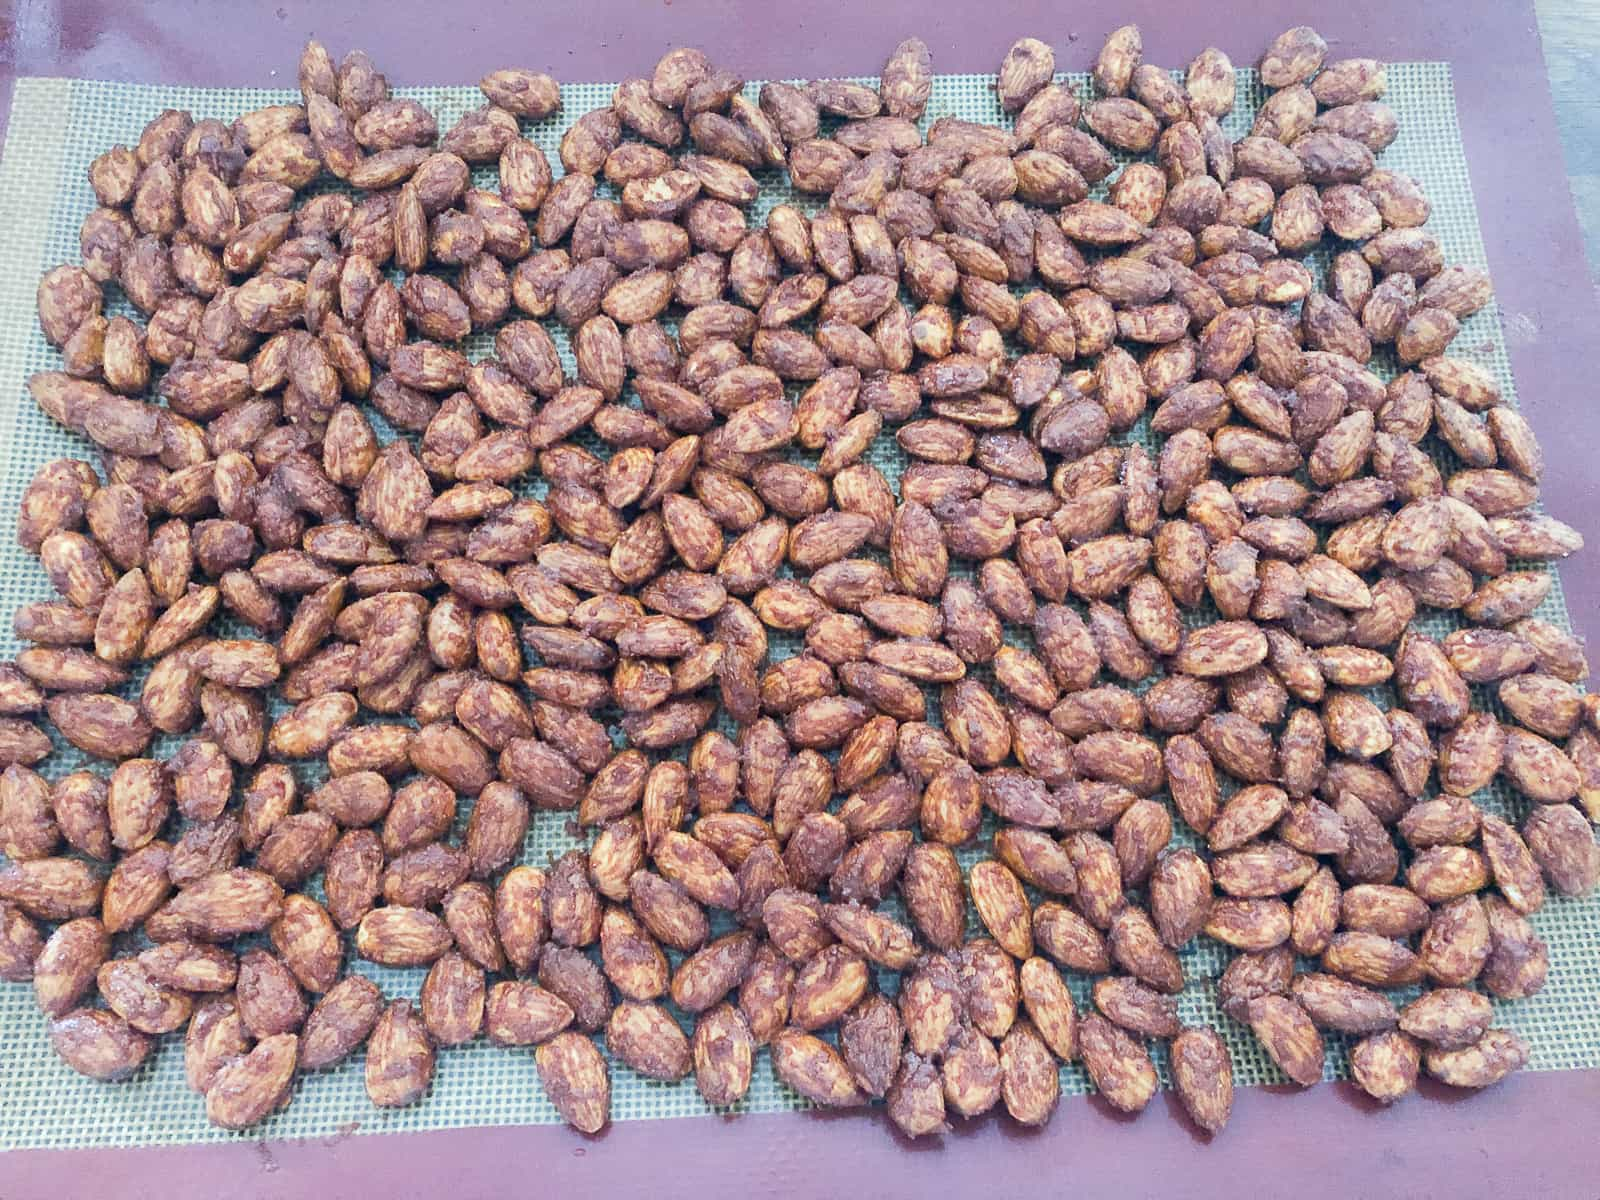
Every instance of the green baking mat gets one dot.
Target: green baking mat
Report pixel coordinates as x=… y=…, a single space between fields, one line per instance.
x=58 y=126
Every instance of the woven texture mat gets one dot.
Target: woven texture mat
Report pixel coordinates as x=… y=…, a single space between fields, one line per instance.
x=58 y=126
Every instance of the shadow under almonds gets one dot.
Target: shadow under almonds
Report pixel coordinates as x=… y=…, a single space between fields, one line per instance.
x=1181 y=1118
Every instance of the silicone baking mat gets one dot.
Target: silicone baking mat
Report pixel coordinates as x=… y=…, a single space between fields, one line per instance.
x=57 y=126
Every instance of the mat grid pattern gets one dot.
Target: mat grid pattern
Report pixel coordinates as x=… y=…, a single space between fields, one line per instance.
x=58 y=126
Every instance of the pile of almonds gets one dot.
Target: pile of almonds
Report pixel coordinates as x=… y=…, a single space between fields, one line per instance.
x=441 y=635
